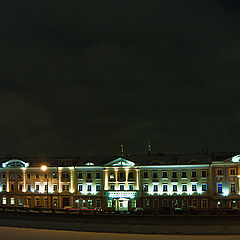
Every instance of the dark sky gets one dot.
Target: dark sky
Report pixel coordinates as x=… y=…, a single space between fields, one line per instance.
x=82 y=77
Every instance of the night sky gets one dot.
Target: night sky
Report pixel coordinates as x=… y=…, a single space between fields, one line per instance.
x=82 y=77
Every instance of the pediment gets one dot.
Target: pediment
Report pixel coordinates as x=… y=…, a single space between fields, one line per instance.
x=120 y=162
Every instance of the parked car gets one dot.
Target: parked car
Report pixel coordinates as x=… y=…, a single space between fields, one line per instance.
x=139 y=211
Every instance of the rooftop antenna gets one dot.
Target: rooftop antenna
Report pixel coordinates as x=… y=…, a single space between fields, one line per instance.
x=122 y=150
x=149 y=147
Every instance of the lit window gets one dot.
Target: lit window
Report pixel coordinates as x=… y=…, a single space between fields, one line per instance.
x=109 y=203
x=204 y=187
x=131 y=187
x=65 y=187
x=55 y=187
x=233 y=187
x=219 y=204
x=80 y=187
x=219 y=188
x=98 y=188
x=112 y=175
x=121 y=187
x=37 y=202
x=89 y=203
x=4 y=200
x=184 y=187
x=20 y=201
x=89 y=188
x=145 y=187
x=55 y=202
x=98 y=203
x=112 y=187
x=174 y=188
x=165 y=187
x=155 y=187
x=134 y=203
x=194 y=187
x=146 y=203
x=4 y=187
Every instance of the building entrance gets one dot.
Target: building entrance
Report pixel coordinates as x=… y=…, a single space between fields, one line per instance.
x=121 y=204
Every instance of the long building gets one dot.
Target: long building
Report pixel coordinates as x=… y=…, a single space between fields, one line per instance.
x=122 y=183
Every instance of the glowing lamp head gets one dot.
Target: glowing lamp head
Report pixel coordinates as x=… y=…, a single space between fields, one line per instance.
x=44 y=168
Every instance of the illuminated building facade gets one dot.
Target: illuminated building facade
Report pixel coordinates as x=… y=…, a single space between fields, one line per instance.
x=120 y=184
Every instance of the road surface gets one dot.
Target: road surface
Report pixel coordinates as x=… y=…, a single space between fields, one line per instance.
x=12 y=233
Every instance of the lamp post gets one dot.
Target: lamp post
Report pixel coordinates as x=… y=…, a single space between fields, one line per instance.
x=44 y=168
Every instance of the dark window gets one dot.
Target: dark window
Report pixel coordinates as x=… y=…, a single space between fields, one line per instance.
x=155 y=175
x=184 y=174
x=232 y=172
x=164 y=175
x=12 y=187
x=98 y=175
x=4 y=187
x=130 y=175
x=80 y=175
x=65 y=175
x=219 y=172
x=233 y=188
x=54 y=175
x=121 y=175
x=204 y=173
x=89 y=175
x=37 y=187
x=174 y=174
x=3 y=175
x=45 y=175
x=174 y=188
x=131 y=187
x=89 y=188
x=55 y=187
x=28 y=175
x=121 y=187
x=20 y=187
x=145 y=174
x=98 y=188
x=194 y=174
x=29 y=187
x=37 y=175
x=112 y=187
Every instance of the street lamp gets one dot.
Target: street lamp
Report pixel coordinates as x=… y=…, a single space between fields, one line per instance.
x=44 y=168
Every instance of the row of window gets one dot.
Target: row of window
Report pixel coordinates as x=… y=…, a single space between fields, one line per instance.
x=174 y=174
x=232 y=188
x=174 y=187
x=232 y=172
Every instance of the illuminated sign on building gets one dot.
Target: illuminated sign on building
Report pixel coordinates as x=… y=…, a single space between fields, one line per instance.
x=14 y=163
x=236 y=158
x=122 y=194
